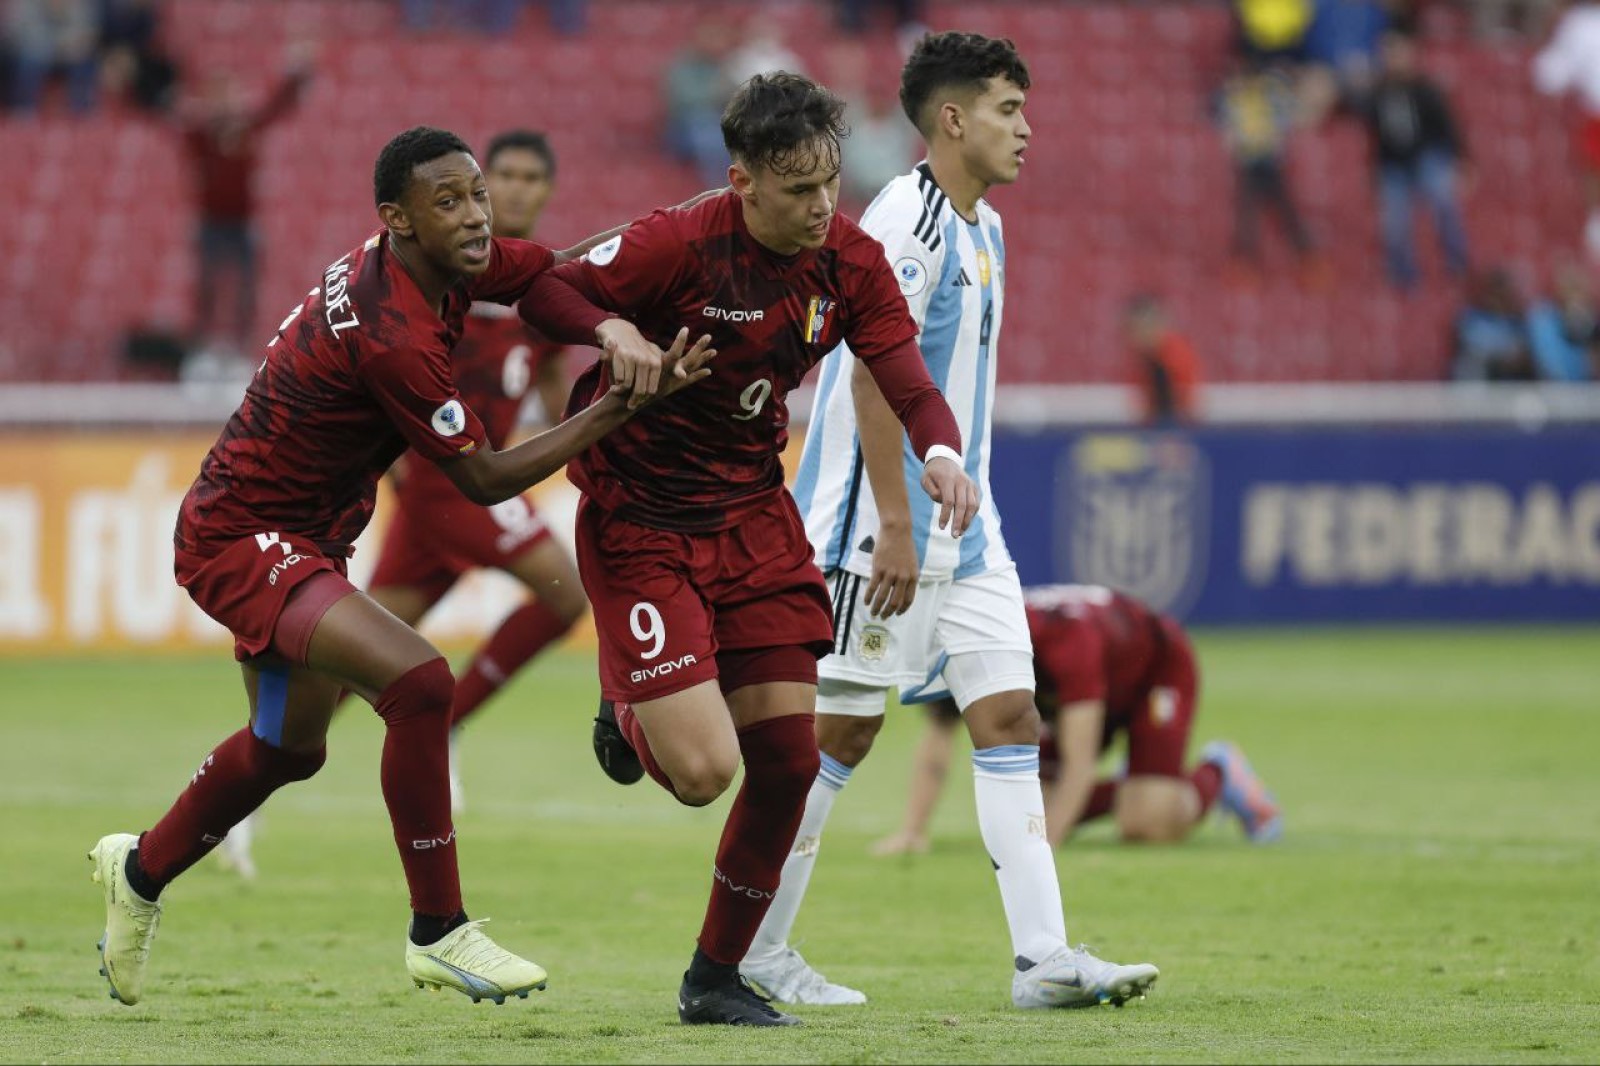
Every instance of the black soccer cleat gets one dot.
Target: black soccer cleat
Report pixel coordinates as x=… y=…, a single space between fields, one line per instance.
x=734 y=1003
x=611 y=748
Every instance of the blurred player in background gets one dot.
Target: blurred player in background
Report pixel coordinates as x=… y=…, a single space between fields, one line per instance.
x=710 y=610
x=1106 y=667
x=437 y=535
x=356 y=374
x=904 y=591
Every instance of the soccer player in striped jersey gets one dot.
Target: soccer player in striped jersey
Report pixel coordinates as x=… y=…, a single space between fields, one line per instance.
x=906 y=592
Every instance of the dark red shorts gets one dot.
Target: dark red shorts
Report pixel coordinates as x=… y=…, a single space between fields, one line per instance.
x=245 y=585
x=1158 y=728
x=665 y=603
x=436 y=537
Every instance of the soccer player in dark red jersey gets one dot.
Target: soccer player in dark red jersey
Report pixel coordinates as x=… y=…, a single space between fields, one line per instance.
x=710 y=611
x=1106 y=666
x=437 y=535
x=356 y=374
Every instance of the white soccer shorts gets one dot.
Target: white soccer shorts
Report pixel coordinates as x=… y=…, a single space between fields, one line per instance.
x=970 y=635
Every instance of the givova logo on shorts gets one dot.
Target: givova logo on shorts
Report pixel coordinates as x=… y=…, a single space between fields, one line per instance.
x=1136 y=511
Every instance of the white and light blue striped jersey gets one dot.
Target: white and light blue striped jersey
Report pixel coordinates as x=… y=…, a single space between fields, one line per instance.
x=952 y=273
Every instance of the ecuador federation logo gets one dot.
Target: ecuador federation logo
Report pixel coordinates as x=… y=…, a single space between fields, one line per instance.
x=817 y=318
x=1135 y=509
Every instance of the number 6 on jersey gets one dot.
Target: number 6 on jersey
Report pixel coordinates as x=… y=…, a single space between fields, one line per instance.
x=648 y=628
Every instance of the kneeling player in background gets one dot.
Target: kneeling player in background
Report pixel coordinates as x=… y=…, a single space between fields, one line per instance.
x=1105 y=665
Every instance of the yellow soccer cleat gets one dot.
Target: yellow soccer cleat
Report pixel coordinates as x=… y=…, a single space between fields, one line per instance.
x=466 y=960
x=131 y=921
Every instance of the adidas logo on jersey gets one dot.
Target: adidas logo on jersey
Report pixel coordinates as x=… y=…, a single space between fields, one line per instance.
x=962 y=279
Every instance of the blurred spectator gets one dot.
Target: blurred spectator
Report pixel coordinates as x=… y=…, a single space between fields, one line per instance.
x=223 y=138
x=134 y=67
x=1273 y=29
x=1570 y=62
x=53 y=37
x=882 y=143
x=1257 y=110
x=696 y=89
x=1164 y=368
x=1564 y=330
x=761 y=51
x=1418 y=151
x=1490 y=333
x=1344 y=37
x=909 y=17
x=491 y=17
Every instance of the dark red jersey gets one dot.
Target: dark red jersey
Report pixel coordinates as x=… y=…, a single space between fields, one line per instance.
x=1091 y=643
x=494 y=364
x=703 y=458
x=357 y=373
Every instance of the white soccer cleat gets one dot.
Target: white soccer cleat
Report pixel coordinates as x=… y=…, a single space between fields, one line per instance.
x=466 y=960
x=458 y=799
x=131 y=921
x=235 y=853
x=1074 y=978
x=788 y=978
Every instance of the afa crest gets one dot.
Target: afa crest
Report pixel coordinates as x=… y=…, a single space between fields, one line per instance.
x=1135 y=509
x=874 y=642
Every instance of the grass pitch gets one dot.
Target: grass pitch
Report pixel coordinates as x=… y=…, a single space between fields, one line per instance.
x=1434 y=898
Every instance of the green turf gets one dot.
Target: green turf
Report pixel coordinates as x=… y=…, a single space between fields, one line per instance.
x=1436 y=898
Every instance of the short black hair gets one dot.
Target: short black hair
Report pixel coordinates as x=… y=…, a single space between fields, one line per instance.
x=956 y=60
x=525 y=141
x=774 y=120
x=406 y=151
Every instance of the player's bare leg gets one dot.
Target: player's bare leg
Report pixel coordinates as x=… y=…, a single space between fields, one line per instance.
x=1049 y=973
x=843 y=740
x=1156 y=810
x=929 y=766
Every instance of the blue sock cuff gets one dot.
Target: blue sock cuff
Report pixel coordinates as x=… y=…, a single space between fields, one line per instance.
x=1008 y=759
x=834 y=773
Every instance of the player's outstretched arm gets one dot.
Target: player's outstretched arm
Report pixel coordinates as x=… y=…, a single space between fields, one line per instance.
x=487 y=477
x=585 y=246
x=902 y=376
x=893 y=585
x=1078 y=727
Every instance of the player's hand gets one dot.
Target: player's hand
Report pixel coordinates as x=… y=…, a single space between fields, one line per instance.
x=901 y=843
x=949 y=486
x=680 y=368
x=635 y=362
x=894 y=573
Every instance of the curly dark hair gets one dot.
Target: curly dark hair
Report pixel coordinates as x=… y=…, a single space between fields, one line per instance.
x=406 y=151
x=523 y=140
x=956 y=60
x=776 y=120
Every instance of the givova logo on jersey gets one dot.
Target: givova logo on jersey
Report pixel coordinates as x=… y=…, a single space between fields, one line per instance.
x=1135 y=509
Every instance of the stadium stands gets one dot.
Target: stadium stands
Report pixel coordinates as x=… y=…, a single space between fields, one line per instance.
x=1127 y=187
